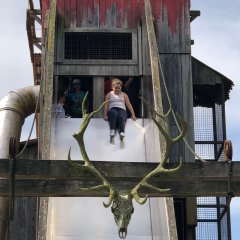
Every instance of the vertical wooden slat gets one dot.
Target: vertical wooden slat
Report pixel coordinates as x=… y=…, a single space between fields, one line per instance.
x=46 y=106
x=134 y=9
x=67 y=13
x=153 y=5
x=172 y=25
x=60 y=29
x=24 y=223
x=123 y=13
x=73 y=9
x=96 y=14
x=120 y=13
x=129 y=16
x=98 y=93
x=90 y=13
x=156 y=8
x=102 y=13
x=60 y=7
x=84 y=13
x=110 y=19
x=140 y=9
x=79 y=13
x=45 y=5
x=174 y=12
x=154 y=58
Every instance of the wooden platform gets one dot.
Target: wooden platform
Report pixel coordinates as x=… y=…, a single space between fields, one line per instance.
x=57 y=178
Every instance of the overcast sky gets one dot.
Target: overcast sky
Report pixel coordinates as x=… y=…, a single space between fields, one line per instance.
x=15 y=62
x=217 y=38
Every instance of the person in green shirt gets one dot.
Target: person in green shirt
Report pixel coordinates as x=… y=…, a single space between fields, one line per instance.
x=74 y=99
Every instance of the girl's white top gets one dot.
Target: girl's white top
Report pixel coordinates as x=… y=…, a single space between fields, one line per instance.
x=117 y=101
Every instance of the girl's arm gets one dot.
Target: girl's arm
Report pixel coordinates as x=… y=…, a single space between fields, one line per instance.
x=129 y=106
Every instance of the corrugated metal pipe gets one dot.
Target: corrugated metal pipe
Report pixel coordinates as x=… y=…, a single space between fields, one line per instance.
x=14 y=108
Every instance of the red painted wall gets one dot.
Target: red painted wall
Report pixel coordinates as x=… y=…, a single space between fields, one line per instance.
x=171 y=17
x=45 y=6
x=116 y=13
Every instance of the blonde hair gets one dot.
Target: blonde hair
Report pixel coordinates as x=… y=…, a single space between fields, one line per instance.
x=116 y=81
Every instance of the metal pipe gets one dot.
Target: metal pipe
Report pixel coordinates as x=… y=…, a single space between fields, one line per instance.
x=14 y=108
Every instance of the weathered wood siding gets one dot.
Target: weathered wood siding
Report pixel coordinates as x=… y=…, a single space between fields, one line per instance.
x=100 y=13
x=179 y=84
x=172 y=26
x=171 y=18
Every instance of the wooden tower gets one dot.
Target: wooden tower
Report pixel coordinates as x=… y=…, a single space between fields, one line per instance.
x=150 y=41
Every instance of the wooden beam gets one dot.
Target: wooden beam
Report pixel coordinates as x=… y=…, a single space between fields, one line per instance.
x=57 y=178
x=194 y=14
x=30 y=2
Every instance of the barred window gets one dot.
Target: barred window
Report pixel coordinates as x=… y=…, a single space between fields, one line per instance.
x=102 y=46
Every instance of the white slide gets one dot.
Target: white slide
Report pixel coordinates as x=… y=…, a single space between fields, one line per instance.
x=85 y=218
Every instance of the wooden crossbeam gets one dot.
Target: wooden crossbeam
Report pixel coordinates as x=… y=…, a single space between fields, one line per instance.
x=57 y=178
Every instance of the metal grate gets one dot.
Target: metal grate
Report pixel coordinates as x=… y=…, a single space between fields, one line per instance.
x=212 y=216
x=206 y=151
x=219 y=122
x=206 y=201
x=207 y=231
x=224 y=230
x=102 y=46
x=206 y=214
x=203 y=124
x=212 y=212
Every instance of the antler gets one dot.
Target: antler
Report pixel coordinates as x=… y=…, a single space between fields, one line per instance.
x=121 y=201
x=165 y=155
x=87 y=163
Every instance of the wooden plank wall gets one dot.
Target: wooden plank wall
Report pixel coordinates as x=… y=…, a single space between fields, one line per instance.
x=100 y=13
x=171 y=18
x=177 y=73
x=172 y=25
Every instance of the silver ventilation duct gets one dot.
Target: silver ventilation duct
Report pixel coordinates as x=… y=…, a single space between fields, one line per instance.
x=14 y=108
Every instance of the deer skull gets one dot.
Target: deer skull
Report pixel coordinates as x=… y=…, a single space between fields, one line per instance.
x=122 y=209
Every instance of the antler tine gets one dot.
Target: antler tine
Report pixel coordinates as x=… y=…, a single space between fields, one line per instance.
x=167 y=136
x=136 y=196
x=169 y=143
x=162 y=116
x=144 y=183
x=87 y=162
x=184 y=129
x=158 y=114
x=169 y=140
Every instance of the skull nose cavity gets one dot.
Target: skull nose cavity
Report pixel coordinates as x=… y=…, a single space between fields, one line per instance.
x=122 y=233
